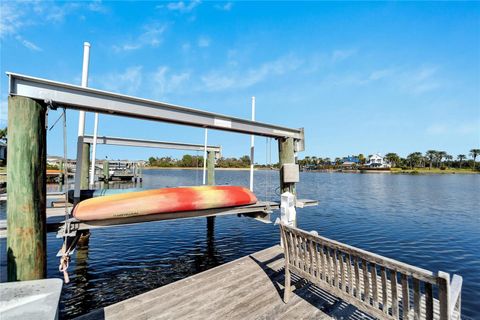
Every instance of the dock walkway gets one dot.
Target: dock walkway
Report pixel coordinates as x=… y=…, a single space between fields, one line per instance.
x=248 y=288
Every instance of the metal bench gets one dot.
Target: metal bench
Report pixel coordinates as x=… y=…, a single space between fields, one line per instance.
x=379 y=286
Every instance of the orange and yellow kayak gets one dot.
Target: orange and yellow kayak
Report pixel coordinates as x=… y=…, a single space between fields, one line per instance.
x=160 y=201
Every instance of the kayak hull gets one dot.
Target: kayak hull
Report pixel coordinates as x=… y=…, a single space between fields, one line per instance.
x=160 y=201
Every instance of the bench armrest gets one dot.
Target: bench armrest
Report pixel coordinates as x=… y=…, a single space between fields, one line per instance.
x=455 y=291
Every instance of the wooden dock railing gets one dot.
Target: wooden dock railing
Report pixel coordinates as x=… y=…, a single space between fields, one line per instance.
x=379 y=286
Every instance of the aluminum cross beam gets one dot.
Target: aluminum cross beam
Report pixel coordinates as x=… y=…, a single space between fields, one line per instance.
x=150 y=144
x=88 y=99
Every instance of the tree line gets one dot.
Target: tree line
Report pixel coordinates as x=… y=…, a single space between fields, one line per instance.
x=192 y=161
x=429 y=159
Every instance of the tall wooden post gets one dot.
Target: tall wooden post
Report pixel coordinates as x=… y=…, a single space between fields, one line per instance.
x=84 y=183
x=26 y=185
x=140 y=172
x=106 y=170
x=286 y=154
x=211 y=168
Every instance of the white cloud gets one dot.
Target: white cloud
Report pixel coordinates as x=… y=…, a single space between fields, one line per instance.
x=28 y=44
x=97 y=6
x=164 y=83
x=57 y=14
x=225 y=7
x=380 y=74
x=339 y=55
x=223 y=79
x=421 y=80
x=203 y=42
x=151 y=36
x=181 y=6
x=10 y=19
x=128 y=81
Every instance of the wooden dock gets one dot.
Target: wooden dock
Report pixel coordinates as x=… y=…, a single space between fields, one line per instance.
x=248 y=288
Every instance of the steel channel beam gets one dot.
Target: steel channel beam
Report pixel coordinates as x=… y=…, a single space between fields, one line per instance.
x=88 y=99
x=149 y=143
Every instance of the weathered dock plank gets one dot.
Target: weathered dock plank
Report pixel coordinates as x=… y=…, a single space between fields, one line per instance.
x=248 y=288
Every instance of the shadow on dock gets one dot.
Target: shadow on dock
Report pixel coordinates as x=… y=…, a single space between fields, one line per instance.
x=248 y=288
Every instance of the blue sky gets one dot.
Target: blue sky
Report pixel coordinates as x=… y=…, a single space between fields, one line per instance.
x=360 y=77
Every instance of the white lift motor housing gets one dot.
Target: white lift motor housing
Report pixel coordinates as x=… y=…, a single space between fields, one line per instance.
x=288 y=215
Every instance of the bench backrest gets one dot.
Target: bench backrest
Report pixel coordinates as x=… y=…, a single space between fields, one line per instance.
x=379 y=286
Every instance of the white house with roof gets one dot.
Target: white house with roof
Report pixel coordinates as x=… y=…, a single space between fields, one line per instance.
x=377 y=161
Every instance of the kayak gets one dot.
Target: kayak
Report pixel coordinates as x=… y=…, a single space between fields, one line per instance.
x=164 y=200
x=87 y=194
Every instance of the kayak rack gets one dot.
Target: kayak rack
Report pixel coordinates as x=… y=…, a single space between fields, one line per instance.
x=259 y=211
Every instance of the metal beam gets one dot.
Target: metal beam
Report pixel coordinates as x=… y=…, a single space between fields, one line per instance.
x=88 y=99
x=150 y=143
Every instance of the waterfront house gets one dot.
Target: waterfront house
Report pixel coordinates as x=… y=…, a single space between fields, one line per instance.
x=377 y=161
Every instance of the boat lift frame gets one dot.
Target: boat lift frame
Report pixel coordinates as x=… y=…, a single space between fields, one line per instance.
x=92 y=100
x=128 y=142
x=52 y=94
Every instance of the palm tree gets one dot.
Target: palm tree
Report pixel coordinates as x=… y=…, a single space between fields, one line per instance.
x=414 y=158
x=449 y=159
x=474 y=153
x=441 y=155
x=393 y=158
x=431 y=154
x=460 y=158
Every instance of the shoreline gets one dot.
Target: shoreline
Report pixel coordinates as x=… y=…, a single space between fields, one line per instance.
x=193 y=168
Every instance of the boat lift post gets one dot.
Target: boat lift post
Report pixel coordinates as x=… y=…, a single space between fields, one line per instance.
x=83 y=149
x=26 y=173
x=252 y=147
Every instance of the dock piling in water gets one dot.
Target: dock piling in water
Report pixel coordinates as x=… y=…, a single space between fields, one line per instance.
x=26 y=184
x=85 y=165
x=286 y=154
x=211 y=168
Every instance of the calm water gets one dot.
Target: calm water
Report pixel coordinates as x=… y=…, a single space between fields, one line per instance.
x=428 y=221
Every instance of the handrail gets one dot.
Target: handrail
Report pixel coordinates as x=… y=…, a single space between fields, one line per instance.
x=382 y=287
x=422 y=274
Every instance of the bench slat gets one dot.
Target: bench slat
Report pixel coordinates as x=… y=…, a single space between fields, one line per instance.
x=350 y=276
x=366 y=282
x=393 y=283
x=374 y=284
x=429 y=301
x=358 y=291
x=416 y=299
x=384 y=290
x=405 y=296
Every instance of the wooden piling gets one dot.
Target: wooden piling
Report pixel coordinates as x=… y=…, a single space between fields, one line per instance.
x=84 y=170
x=211 y=168
x=106 y=170
x=286 y=154
x=26 y=185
